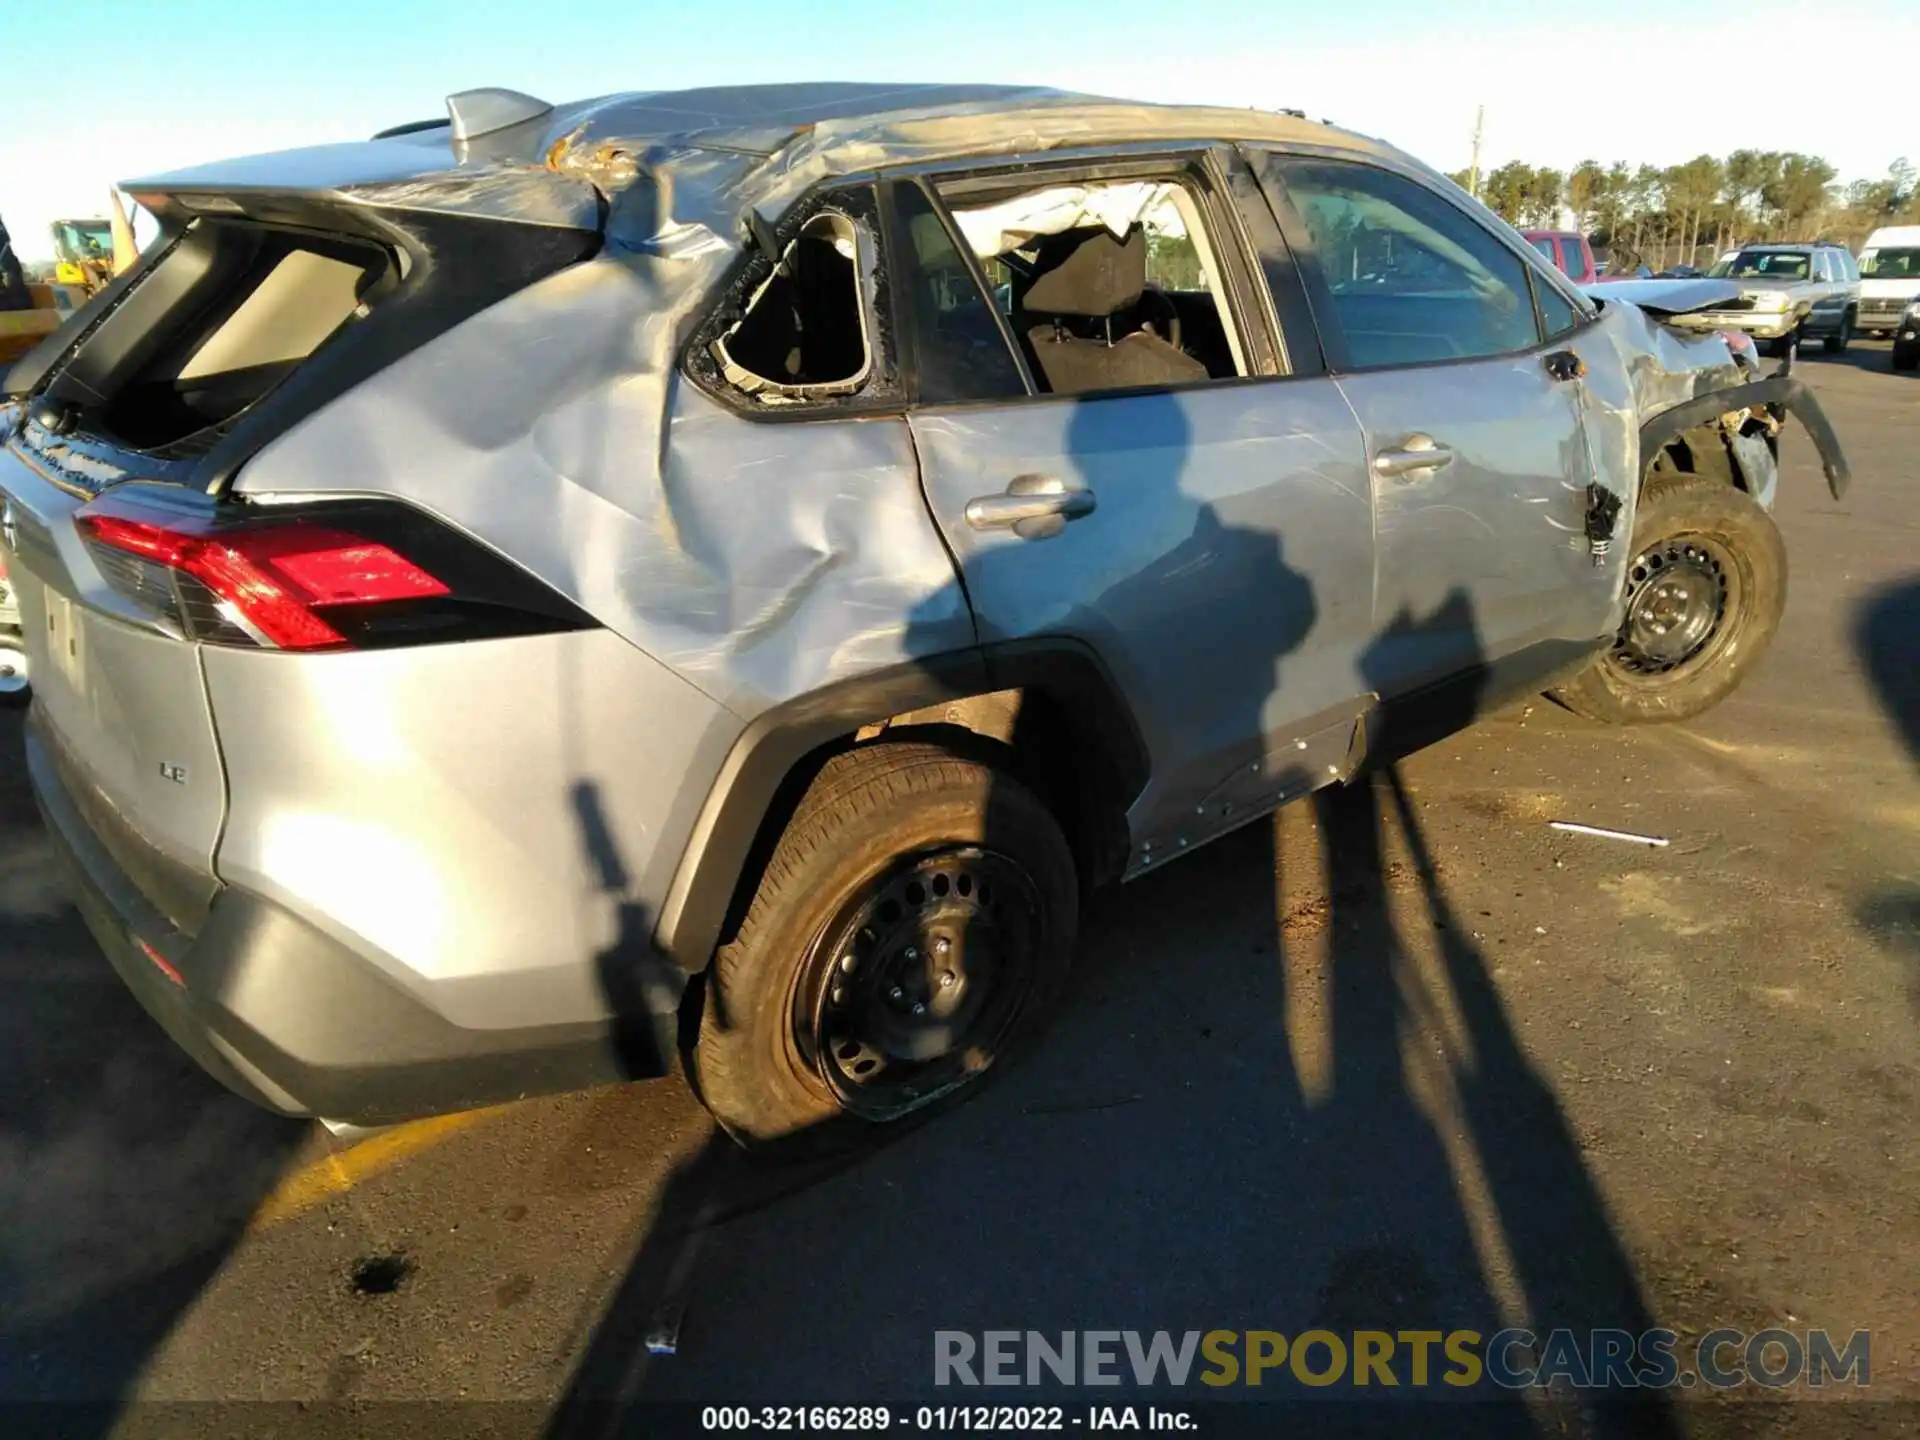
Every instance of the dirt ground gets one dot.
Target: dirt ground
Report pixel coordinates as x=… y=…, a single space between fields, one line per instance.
x=1406 y=1057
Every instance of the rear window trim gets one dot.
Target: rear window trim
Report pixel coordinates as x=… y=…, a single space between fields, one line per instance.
x=886 y=347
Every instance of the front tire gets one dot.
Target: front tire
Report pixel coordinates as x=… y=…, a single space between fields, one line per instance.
x=912 y=928
x=1705 y=591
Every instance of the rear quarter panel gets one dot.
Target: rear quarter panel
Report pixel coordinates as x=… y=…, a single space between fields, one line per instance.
x=493 y=824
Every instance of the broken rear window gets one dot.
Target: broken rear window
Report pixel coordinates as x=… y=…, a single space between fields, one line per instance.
x=804 y=326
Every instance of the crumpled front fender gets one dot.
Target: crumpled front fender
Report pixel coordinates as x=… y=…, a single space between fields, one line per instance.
x=1783 y=394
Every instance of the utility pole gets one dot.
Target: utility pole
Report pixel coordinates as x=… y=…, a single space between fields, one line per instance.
x=1473 y=172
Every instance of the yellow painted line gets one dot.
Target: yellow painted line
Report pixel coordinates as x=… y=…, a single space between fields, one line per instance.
x=336 y=1173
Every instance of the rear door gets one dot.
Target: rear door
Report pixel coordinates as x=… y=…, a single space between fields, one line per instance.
x=1477 y=457
x=120 y=711
x=1831 y=295
x=1211 y=540
x=228 y=330
x=214 y=321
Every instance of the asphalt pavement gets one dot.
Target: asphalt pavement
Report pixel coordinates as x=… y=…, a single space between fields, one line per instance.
x=1406 y=1058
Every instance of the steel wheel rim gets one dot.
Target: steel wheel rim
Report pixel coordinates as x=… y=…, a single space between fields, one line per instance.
x=954 y=932
x=1682 y=602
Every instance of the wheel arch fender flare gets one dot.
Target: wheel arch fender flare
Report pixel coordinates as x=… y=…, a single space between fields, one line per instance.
x=1783 y=393
x=780 y=751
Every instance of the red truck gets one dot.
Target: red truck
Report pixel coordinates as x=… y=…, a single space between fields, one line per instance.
x=1568 y=251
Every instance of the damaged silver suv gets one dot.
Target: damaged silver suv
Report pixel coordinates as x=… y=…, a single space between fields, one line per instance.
x=722 y=574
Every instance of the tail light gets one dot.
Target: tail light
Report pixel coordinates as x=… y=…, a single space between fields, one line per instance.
x=353 y=575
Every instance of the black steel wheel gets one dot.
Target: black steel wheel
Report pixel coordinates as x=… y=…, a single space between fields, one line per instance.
x=910 y=991
x=1679 y=592
x=911 y=930
x=1703 y=595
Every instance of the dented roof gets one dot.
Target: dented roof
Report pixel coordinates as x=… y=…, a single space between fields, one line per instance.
x=539 y=169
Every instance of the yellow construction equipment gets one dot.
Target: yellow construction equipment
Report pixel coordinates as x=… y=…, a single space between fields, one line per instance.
x=87 y=254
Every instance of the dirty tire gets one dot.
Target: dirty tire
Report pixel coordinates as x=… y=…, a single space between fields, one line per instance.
x=875 y=819
x=1688 y=513
x=1836 y=343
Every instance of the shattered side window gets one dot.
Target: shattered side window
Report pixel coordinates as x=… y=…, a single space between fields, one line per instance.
x=805 y=327
x=803 y=332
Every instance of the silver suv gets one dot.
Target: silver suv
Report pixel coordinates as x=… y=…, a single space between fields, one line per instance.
x=1788 y=294
x=723 y=573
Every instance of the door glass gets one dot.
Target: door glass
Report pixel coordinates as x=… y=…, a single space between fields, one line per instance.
x=1412 y=279
x=961 y=350
x=1572 y=262
x=1556 y=312
x=1545 y=246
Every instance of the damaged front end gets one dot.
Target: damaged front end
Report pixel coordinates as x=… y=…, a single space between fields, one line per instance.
x=1700 y=401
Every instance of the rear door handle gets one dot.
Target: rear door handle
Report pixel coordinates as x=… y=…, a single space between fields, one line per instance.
x=1032 y=506
x=1417 y=455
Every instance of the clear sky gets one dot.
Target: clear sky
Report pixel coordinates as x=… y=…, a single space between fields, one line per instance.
x=116 y=89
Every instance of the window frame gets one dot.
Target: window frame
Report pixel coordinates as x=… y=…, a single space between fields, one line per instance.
x=1205 y=168
x=905 y=310
x=878 y=306
x=1539 y=270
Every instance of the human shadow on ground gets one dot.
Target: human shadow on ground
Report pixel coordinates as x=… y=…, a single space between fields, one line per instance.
x=1886 y=638
x=1318 y=1116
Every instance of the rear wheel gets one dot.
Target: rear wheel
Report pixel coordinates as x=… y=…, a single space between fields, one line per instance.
x=912 y=929
x=1705 y=591
x=1836 y=343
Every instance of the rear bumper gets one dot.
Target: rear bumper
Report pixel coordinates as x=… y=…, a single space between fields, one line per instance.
x=291 y=1019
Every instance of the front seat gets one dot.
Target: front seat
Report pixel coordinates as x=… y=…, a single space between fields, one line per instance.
x=1087 y=274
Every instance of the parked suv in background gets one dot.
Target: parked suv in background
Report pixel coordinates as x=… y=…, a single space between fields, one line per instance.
x=733 y=568
x=1567 y=251
x=1788 y=293
x=1889 y=278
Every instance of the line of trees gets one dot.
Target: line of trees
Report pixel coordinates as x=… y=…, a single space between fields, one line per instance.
x=1660 y=215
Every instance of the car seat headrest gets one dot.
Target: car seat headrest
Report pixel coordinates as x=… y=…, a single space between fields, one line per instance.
x=1087 y=272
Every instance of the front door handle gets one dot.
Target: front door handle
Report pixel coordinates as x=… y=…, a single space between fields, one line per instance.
x=1417 y=455
x=1032 y=506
